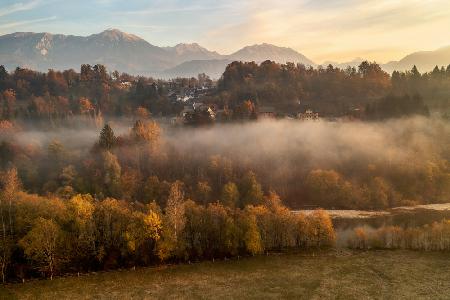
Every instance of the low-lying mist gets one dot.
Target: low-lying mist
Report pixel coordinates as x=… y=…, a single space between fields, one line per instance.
x=329 y=164
x=322 y=144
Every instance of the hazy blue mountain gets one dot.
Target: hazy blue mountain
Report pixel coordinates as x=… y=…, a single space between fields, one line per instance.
x=213 y=68
x=113 y=48
x=258 y=53
x=125 y=52
x=424 y=60
x=353 y=63
x=187 y=52
x=264 y=52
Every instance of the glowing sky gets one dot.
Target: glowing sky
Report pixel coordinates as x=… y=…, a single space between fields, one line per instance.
x=337 y=30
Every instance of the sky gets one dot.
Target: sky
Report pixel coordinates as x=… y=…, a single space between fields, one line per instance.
x=323 y=30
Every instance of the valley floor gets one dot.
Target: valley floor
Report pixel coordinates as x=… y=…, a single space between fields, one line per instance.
x=324 y=275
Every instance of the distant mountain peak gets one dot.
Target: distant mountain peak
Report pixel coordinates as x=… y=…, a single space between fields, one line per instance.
x=196 y=45
x=125 y=52
x=354 y=63
x=191 y=51
x=266 y=51
x=183 y=48
x=113 y=34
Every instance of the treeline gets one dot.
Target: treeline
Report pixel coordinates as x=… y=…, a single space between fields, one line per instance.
x=333 y=91
x=433 y=87
x=56 y=95
x=432 y=237
x=43 y=236
x=244 y=88
x=393 y=106
x=285 y=86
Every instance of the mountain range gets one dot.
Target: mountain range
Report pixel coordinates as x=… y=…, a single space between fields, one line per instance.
x=129 y=53
x=125 y=52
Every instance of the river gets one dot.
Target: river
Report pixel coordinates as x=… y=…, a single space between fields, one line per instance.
x=345 y=221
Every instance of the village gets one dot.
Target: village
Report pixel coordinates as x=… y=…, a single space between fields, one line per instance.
x=196 y=103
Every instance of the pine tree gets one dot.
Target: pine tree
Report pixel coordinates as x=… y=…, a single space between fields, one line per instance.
x=107 y=138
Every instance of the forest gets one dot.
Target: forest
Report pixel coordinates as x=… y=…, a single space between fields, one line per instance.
x=55 y=97
x=43 y=236
x=75 y=203
x=334 y=91
x=93 y=177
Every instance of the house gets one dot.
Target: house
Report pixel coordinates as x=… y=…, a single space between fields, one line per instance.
x=125 y=85
x=200 y=106
x=174 y=121
x=308 y=115
x=212 y=113
x=266 y=112
x=197 y=113
x=187 y=110
x=356 y=113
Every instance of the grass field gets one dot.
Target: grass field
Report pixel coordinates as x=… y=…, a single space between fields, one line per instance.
x=352 y=275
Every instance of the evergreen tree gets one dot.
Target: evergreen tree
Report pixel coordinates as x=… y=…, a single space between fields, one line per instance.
x=107 y=138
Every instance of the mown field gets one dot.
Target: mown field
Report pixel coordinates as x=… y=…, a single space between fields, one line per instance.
x=326 y=275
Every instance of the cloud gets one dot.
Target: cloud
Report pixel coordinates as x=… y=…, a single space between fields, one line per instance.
x=16 y=7
x=170 y=10
x=25 y=22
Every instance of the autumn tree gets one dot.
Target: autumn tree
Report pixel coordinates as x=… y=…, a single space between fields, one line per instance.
x=147 y=131
x=252 y=237
x=327 y=188
x=230 y=195
x=174 y=220
x=142 y=113
x=203 y=192
x=9 y=186
x=111 y=173
x=320 y=229
x=42 y=244
x=250 y=190
x=143 y=232
x=112 y=219
x=81 y=236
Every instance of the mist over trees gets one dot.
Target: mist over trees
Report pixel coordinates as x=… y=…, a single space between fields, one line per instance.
x=324 y=164
x=93 y=178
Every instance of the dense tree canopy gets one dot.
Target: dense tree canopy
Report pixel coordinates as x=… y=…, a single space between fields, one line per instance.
x=244 y=88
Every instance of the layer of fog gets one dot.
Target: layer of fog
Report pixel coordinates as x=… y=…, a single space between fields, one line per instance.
x=285 y=143
x=320 y=144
